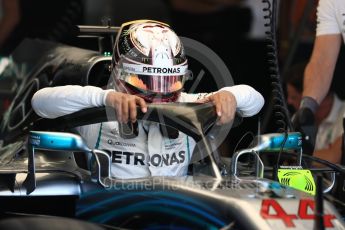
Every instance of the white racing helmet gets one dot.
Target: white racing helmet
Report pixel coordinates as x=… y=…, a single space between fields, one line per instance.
x=149 y=61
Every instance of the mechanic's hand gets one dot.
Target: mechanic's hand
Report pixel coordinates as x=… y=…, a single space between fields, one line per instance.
x=303 y=121
x=225 y=103
x=125 y=105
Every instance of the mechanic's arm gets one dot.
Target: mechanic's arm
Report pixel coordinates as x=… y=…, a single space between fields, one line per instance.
x=227 y=100
x=319 y=71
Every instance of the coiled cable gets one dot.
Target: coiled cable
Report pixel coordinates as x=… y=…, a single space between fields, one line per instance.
x=280 y=109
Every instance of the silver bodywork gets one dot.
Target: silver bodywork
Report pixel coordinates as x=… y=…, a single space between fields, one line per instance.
x=58 y=175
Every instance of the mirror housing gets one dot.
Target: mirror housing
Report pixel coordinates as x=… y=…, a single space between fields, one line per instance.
x=271 y=142
x=57 y=141
x=274 y=141
x=60 y=141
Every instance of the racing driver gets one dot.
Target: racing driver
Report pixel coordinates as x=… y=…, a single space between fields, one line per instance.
x=148 y=66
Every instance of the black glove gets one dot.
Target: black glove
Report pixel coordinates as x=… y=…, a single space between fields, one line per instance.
x=304 y=122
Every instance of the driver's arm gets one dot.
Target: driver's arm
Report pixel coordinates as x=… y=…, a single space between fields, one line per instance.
x=248 y=101
x=52 y=102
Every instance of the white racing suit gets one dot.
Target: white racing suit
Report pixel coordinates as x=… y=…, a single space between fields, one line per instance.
x=148 y=154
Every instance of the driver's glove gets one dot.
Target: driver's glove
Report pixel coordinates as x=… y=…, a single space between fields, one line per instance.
x=303 y=121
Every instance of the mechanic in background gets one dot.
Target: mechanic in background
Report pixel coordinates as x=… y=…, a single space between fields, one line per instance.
x=328 y=116
x=148 y=66
x=330 y=34
x=320 y=69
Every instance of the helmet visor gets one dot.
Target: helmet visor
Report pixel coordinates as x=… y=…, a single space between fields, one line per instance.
x=155 y=84
x=154 y=79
